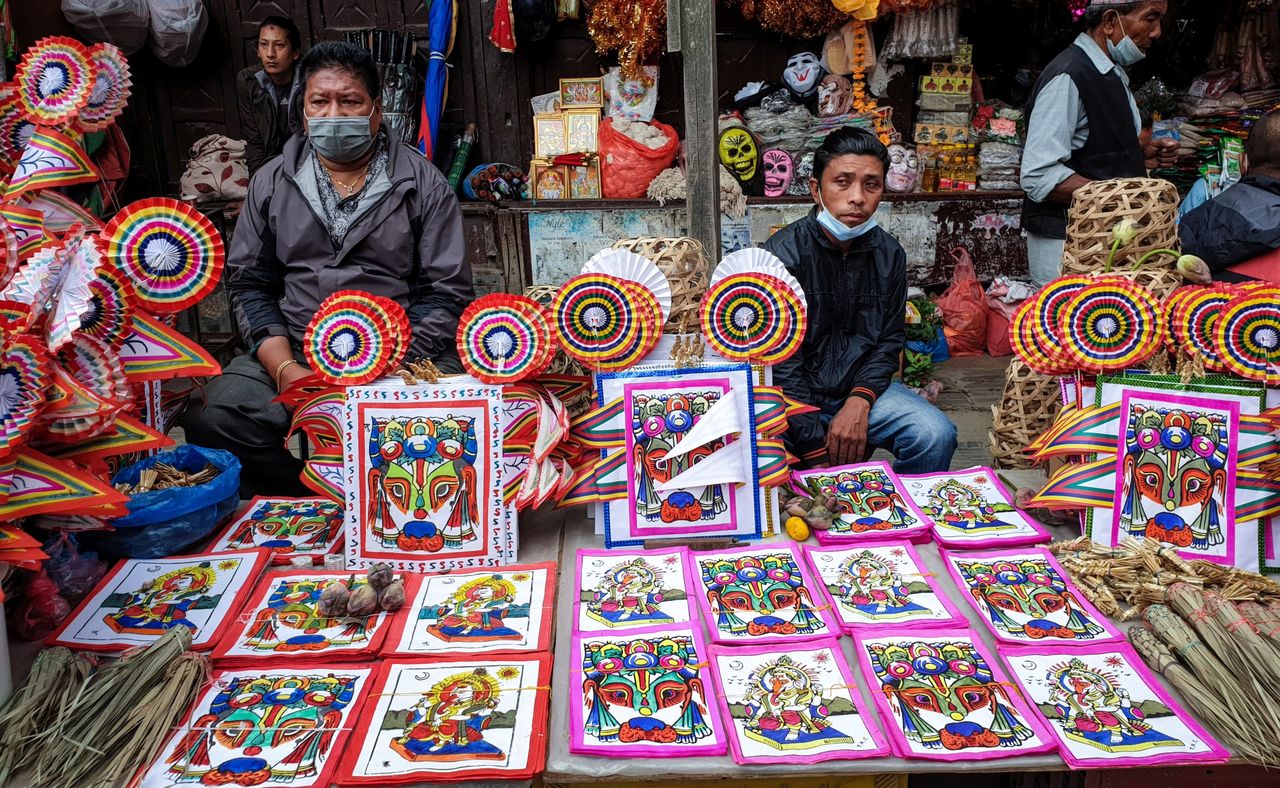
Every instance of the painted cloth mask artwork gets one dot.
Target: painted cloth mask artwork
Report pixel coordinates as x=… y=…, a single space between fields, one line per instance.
x=644 y=690
x=1175 y=478
x=904 y=169
x=867 y=499
x=288 y=622
x=779 y=169
x=287 y=526
x=1026 y=599
x=739 y=153
x=802 y=73
x=835 y=96
x=659 y=421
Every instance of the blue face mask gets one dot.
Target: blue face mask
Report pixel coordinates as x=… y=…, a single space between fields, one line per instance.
x=1126 y=53
x=838 y=229
x=341 y=139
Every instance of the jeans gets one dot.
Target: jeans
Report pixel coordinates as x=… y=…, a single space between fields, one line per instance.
x=1044 y=256
x=921 y=437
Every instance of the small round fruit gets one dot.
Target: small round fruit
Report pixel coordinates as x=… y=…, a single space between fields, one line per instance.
x=797 y=529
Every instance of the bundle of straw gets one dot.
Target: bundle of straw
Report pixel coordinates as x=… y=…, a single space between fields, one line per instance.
x=1209 y=708
x=122 y=717
x=55 y=679
x=1256 y=652
x=1266 y=620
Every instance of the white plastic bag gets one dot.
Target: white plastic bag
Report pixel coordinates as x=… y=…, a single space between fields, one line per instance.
x=120 y=22
x=177 y=28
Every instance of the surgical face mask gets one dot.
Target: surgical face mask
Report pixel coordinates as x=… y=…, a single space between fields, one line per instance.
x=838 y=229
x=341 y=139
x=1126 y=53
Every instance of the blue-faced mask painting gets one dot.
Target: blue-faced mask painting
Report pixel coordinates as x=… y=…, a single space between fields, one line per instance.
x=1106 y=709
x=1024 y=597
x=759 y=595
x=263 y=727
x=1176 y=471
x=423 y=478
x=942 y=698
x=643 y=694
x=288 y=527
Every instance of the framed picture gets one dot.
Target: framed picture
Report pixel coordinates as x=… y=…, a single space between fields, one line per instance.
x=550 y=182
x=584 y=182
x=582 y=92
x=549 y=136
x=971 y=509
x=581 y=128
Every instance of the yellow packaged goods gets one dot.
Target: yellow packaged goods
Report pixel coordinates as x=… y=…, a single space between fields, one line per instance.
x=932 y=134
x=949 y=85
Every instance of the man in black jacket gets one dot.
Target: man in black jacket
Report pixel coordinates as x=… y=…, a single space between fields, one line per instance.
x=268 y=95
x=854 y=276
x=1243 y=222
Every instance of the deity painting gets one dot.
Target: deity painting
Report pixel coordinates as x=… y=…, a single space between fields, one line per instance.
x=266 y=726
x=942 y=699
x=140 y=600
x=882 y=583
x=549 y=139
x=1023 y=596
x=835 y=96
x=660 y=418
x=549 y=183
x=971 y=509
x=423 y=477
x=1106 y=709
x=869 y=502
x=802 y=74
x=281 y=619
x=584 y=92
x=643 y=694
x=793 y=705
x=1176 y=465
x=451 y=721
x=584 y=182
x=630 y=590
x=759 y=594
x=582 y=128
x=779 y=169
x=506 y=609
x=288 y=527
x=739 y=153
x=904 y=169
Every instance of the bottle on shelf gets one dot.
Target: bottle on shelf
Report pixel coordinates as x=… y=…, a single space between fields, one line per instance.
x=946 y=174
x=929 y=178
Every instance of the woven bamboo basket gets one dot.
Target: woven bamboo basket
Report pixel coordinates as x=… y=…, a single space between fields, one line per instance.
x=1151 y=204
x=1030 y=403
x=687 y=269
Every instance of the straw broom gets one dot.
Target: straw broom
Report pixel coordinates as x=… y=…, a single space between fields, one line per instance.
x=1258 y=654
x=1265 y=620
x=56 y=676
x=1208 y=707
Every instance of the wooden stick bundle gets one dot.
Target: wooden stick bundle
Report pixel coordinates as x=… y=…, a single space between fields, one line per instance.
x=163 y=476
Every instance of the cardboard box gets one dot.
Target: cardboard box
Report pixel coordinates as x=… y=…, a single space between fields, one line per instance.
x=952 y=70
x=937 y=134
x=964 y=54
x=952 y=86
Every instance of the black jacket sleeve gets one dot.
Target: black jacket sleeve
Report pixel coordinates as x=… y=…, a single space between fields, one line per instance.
x=1223 y=236
x=254 y=147
x=879 y=368
x=444 y=286
x=255 y=275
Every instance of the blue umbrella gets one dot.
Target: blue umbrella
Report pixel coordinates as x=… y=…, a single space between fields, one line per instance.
x=441 y=27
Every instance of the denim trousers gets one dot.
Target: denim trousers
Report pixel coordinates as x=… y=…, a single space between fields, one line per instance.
x=1044 y=258
x=921 y=438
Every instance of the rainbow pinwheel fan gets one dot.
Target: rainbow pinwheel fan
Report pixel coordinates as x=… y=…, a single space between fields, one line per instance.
x=110 y=90
x=1247 y=334
x=607 y=322
x=755 y=310
x=171 y=252
x=54 y=80
x=355 y=338
x=633 y=268
x=505 y=338
x=1193 y=313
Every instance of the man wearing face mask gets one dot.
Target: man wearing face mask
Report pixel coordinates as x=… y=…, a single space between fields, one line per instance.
x=345 y=207
x=854 y=276
x=1084 y=123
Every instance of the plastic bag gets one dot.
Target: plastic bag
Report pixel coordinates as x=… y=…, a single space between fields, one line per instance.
x=964 y=308
x=627 y=167
x=177 y=29
x=120 y=22
x=75 y=572
x=41 y=610
x=633 y=99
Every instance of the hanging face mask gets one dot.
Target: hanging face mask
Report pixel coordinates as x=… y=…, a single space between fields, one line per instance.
x=838 y=229
x=341 y=139
x=1126 y=53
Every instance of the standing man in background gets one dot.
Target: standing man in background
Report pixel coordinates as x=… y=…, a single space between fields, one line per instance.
x=1083 y=123
x=268 y=95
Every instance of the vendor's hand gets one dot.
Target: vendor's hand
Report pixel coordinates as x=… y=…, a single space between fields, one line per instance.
x=1160 y=153
x=847 y=435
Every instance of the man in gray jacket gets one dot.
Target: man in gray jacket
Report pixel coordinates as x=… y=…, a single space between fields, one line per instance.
x=345 y=207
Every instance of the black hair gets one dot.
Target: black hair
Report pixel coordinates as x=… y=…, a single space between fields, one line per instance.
x=849 y=141
x=1263 y=147
x=287 y=25
x=347 y=57
x=1093 y=16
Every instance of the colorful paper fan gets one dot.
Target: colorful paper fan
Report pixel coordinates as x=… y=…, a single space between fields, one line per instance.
x=110 y=91
x=798 y=317
x=50 y=159
x=348 y=342
x=15 y=130
x=1031 y=344
x=24 y=374
x=399 y=331
x=1110 y=325
x=109 y=317
x=633 y=268
x=54 y=78
x=97 y=368
x=754 y=260
x=8 y=253
x=604 y=321
x=1248 y=334
x=170 y=251
x=746 y=316
x=505 y=338
x=74 y=298
x=1193 y=314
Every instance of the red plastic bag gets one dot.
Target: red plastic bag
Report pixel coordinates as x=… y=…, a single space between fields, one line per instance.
x=627 y=167
x=964 y=308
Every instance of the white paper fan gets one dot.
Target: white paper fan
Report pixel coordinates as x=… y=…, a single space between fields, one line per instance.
x=73 y=299
x=636 y=268
x=728 y=465
x=754 y=260
x=723 y=418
